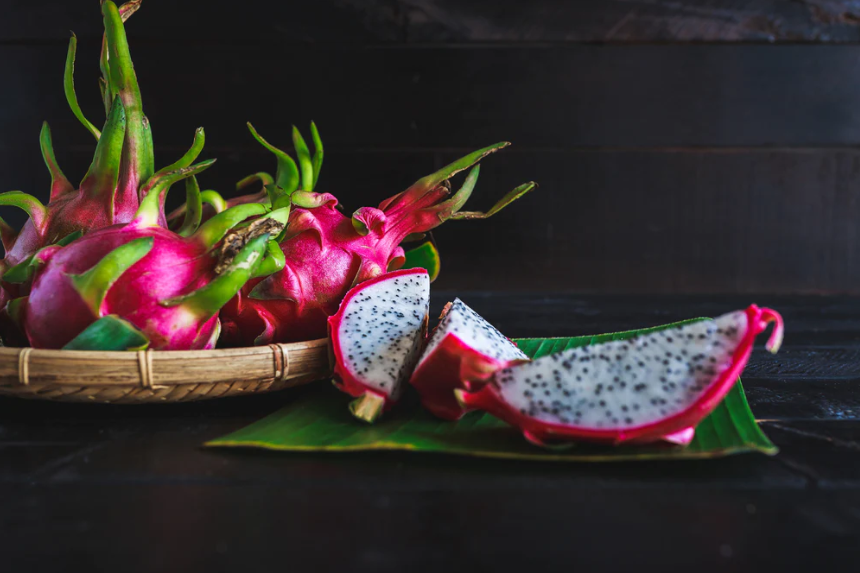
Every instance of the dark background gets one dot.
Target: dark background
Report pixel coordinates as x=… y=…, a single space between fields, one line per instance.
x=680 y=146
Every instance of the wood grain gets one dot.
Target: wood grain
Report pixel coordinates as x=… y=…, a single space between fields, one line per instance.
x=538 y=97
x=447 y=21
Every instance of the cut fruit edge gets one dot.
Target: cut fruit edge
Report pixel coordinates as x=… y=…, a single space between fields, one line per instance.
x=489 y=400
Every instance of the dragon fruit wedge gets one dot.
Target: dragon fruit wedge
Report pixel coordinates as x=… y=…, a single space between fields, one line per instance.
x=655 y=386
x=170 y=286
x=328 y=252
x=464 y=351
x=376 y=337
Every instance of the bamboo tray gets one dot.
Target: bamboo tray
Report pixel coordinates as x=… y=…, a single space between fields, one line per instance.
x=159 y=376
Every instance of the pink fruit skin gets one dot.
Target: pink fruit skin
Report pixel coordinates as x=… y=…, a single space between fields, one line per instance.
x=488 y=399
x=325 y=257
x=452 y=365
x=56 y=312
x=73 y=211
x=344 y=379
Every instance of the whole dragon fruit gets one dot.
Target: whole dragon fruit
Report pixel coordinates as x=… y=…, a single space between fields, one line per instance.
x=655 y=386
x=464 y=349
x=328 y=252
x=376 y=337
x=120 y=175
x=170 y=286
x=111 y=190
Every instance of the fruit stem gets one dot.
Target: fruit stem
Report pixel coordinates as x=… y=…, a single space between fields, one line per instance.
x=368 y=407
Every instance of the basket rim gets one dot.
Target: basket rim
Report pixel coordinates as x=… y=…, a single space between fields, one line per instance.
x=16 y=351
x=151 y=375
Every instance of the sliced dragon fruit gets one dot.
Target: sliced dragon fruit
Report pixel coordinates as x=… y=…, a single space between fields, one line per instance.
x=377 y=336
x=648 y=388
x=463 y=350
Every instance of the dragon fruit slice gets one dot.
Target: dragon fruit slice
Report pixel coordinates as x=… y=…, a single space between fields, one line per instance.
x=169 y=286
x=464 y=350
x=328 y=252
x=376 y=337
x=657 y=385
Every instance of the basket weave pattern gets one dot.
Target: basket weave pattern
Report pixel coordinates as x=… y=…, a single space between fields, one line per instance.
x=159 y=376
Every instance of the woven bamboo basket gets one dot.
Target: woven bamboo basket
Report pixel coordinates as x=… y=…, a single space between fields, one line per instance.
x=159 y=376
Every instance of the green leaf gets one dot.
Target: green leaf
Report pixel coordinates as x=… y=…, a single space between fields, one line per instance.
x=69 y=88
x=193 y=208
x=287 y=176
x=306 y=166
x=94 y=283
x=109 y=333
x=426 y=257
x=318 y=154
x=23 y=271
x=509 y=198
x=318 y=420
x=213 y=198
x=59 y=183
x=190 y=155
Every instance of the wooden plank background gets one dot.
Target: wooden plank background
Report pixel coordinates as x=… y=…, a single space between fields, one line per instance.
x=680 y=146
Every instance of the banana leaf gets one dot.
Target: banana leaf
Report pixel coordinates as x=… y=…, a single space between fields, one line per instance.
x=317 y=420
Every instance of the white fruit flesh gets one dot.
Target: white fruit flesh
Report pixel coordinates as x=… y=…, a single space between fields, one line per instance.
x=474 y=331
x=382 y=330
x=625 y=383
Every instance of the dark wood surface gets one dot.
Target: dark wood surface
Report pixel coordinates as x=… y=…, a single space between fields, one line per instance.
x=444 y=21
x=102 y=488
x=691 y=146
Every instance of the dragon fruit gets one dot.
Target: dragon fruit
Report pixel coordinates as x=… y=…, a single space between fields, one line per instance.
x=111 y=190
x=120 y=175
x=327 y=252
x=376 y=337
x=288 y=178
x=170 y=286
x=657 y=385
x=464 y=350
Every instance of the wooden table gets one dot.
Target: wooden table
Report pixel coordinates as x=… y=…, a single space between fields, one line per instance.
x=129 y=488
